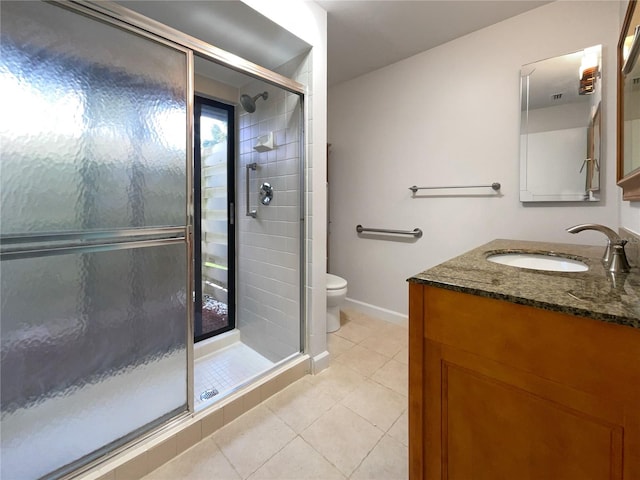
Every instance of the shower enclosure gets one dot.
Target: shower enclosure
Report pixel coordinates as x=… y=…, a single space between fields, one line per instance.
x=97 y=230
x=267 y=223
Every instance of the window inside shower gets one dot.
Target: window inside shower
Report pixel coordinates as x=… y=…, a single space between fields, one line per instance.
x=214 y=309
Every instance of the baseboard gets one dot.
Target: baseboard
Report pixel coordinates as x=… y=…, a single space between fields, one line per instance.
x=377 y=312
x=320 y=362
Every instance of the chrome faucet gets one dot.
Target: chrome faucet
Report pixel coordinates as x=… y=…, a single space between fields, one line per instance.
x=615 y=258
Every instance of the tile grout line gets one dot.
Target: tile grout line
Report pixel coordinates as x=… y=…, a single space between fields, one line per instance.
x=369 y=421
x=322 y=455
x=268 y=459
x=366 y=456
x=225 y=457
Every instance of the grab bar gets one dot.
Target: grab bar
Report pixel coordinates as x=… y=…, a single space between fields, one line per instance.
x=250 y=213
x=495 y=185
x=416 y=232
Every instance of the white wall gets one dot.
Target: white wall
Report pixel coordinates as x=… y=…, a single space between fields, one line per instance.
x=450 y=115
x=569 y=115
x=215 y=89
x=553 y=163
x=630 y=215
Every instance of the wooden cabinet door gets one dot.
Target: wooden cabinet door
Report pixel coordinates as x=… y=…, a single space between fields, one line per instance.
x=507 y=426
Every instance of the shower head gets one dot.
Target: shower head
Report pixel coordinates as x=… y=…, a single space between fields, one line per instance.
x=249 y=103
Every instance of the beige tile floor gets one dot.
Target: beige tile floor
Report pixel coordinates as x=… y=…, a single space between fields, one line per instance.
x=348 y=422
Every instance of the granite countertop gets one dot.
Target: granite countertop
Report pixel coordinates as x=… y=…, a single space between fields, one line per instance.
x=594 y=294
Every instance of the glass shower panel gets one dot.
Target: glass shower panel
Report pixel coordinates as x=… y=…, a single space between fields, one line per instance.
x=269 y=245
x=94 y=139
x=94 y=316
x=91 y=351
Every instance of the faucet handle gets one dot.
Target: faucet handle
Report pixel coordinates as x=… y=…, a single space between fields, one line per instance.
x=618 y=258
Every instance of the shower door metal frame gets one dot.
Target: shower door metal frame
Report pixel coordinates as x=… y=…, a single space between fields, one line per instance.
x=25 y=246
x=238 y=64
x=208 y=51
x=126 y=19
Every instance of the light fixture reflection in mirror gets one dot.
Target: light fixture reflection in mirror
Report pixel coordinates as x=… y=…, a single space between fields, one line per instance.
x=560 y=128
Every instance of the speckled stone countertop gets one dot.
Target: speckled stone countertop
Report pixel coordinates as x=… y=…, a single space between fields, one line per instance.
x=594 y=294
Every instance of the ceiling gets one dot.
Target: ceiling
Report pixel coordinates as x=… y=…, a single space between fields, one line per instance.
x=365 y=35
x=227 y=24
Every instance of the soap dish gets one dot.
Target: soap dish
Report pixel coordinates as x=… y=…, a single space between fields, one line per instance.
x=264 y=143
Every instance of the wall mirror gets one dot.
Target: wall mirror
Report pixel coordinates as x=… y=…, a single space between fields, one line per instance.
x=560 y=128
x=628 y=128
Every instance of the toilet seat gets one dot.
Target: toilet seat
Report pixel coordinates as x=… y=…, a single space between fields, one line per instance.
x=335 y=283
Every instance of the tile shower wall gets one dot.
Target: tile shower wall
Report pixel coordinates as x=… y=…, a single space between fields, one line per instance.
x=268 y=246
x=308 y=21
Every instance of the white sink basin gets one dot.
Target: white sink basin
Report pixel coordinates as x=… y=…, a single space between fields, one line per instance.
x=537 y=261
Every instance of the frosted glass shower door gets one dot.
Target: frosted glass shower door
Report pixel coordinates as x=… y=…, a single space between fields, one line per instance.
x=94 y=247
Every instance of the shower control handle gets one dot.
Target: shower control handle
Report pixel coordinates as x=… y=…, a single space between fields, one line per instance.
x=250 y=213
x=266 y=193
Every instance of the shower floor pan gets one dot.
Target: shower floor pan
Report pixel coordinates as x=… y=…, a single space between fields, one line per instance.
x=224 y=370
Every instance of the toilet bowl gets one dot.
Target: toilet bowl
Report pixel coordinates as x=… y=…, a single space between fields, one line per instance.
x=336 y=293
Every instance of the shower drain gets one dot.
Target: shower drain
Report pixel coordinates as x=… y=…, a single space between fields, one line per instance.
x=209 y=393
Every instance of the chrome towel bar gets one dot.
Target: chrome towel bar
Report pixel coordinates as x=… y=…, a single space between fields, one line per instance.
x=494 y=185
x=416 y=232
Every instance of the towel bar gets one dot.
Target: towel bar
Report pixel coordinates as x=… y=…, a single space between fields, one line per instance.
x=495 y=185
x=416 y=232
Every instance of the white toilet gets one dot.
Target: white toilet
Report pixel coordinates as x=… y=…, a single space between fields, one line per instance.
x=336 y=293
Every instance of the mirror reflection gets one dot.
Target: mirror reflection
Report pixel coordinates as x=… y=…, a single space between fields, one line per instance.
x=631 y=96
x=560 y=128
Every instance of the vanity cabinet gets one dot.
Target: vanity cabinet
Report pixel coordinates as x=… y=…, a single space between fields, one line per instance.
x=499 y=390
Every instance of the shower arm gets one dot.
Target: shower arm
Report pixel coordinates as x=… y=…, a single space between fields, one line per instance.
x=250 y=213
